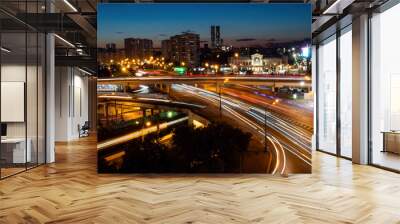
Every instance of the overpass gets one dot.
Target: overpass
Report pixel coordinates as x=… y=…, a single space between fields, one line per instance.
x=300 y=82
x=147 y=102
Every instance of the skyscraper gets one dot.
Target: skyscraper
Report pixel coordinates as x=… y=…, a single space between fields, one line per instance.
x=111 y=47
x=138 y=48
x=215 y=37
x=166 y=49
x=212 y=36
x=185 y=48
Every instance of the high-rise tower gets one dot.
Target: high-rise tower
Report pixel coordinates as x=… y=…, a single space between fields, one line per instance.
x=215 y=37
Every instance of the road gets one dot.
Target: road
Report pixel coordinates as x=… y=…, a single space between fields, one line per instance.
x=288 y=129
x=277 y=81
x=289 y=110
x=291 y=143
x=136 y=134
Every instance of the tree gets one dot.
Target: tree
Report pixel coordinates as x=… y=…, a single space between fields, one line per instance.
x=213 y=148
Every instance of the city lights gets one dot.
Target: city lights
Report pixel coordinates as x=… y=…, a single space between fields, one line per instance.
x=180 y=70
x=205 y=73
x=170 y=114
x=305 y=52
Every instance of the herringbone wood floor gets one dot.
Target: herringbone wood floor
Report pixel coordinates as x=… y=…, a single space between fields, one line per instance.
x=70 y=191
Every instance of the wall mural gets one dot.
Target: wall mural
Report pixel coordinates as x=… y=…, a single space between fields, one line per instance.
x=204 y=88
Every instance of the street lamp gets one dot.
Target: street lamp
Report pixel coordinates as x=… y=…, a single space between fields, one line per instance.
x=265 y=130
x=220 y=102
x=220 y=97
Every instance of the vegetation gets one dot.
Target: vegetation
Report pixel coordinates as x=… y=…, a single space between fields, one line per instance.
x=216 y=148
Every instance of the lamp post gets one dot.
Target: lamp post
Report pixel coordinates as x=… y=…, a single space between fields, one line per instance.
x=266 y=123
x=220 y=97
x=220 y=102
x=265 y=130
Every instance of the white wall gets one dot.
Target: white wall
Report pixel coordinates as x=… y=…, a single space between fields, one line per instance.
x=33 y=126
x=9 y=73
x=16 y=73
x=71 y=102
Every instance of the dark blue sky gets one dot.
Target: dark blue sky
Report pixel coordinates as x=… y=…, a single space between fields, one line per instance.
x=261 y=22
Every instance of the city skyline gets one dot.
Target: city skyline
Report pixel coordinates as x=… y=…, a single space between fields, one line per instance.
x=143 y=21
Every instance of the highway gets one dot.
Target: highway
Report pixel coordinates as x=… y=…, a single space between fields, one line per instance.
x=290 y=110
x=285 y=136
x=278 y=81
x=137 y=134
x=289 y=142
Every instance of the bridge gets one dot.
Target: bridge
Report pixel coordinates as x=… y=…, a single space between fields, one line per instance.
x=278 y=82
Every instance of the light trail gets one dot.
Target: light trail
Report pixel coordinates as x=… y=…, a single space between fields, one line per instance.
x=286 y=128
x=252 y=124
x=137 y=134
x=257 y=127
x=293 y=133
x=170 y=101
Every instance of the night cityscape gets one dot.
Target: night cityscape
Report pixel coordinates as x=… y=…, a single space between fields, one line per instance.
x=196 y=90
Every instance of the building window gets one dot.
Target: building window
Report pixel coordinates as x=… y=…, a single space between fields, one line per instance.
x=346 y=92
x=327 y=95
x=22 y=76
x=385 y=89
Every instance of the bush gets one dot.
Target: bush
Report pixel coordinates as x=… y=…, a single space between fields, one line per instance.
x=215 y=148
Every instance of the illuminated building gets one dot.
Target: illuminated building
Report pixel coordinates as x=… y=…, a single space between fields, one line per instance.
x=111 y=47
x=166 y=49
x=255 y=63
x=138 y=48
x=216 y=40
x=185 y=49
